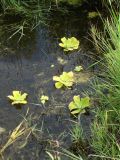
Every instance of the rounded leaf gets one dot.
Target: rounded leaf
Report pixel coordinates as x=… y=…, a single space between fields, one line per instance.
x=56 y=78
x=58 y=85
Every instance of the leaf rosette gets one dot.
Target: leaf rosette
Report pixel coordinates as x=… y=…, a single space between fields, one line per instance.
x=43 y=99
x=65 y=79
x=69 y=44
x=78 y=105
x=18 y=97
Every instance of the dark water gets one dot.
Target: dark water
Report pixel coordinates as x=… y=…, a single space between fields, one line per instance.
x=26 y=66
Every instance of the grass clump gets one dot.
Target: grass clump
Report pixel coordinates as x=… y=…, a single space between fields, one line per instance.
x=79 y=143
x=105 y=135
x=21 y=134
x=106 y=127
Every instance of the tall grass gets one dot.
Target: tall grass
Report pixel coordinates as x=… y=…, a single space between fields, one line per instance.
x=106 y=127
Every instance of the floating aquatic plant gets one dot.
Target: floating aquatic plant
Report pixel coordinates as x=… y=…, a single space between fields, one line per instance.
x=65 y=79
x=18 y=97
x=69 y=44
x=78 y=68
x=78 y=105
x=43 y=99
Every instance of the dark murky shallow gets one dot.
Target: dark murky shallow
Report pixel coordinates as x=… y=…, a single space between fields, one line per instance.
x=26 y=66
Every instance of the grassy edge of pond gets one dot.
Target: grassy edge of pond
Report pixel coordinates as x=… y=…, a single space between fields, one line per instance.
x=106 y=126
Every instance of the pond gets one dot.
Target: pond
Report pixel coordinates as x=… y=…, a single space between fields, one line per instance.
x=29 y=66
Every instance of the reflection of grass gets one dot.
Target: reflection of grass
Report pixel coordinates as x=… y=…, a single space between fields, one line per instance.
x=30 y=13
x=30 y=10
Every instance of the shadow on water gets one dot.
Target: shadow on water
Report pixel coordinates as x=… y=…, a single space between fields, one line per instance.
x=26 y=66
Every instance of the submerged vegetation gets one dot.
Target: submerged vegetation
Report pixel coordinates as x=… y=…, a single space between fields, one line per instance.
x=78 y=68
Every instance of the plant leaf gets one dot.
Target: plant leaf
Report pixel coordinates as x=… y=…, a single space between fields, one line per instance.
x=56 y=78
x=71 y=106
x=70 y=74
x=63 y=39
x=76 y=111
x=19 y=102
x=61 y=45
x=58 y=85
x=85 y=102
x=16 y=93
x=43 y=99
x=78 y=105
x=10 y=97
x=24 y=95
x=65 y=79
x=77 y=100
x=18 y=98
x=69 y=44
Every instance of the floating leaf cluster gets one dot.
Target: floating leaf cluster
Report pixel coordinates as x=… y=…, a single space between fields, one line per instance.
x=18 y=97
x=78 y=105
x=43 y=99
x=69 y=44
x=65 y=79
